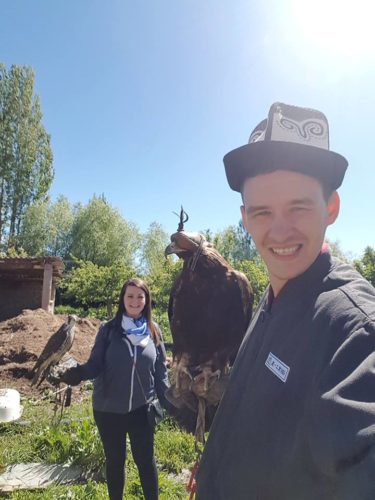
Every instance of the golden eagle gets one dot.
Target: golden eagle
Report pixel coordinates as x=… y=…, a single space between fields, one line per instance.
x=57 y=345
x=209 y=310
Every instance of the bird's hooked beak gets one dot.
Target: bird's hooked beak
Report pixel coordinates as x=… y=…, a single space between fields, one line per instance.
x=171 y=248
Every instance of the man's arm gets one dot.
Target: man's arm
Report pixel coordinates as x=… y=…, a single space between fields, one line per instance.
x=342 y=417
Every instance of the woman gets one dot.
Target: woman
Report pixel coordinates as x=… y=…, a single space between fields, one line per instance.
x=127 y=362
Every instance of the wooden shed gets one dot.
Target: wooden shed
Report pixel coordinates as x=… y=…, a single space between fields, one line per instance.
x=28 y=283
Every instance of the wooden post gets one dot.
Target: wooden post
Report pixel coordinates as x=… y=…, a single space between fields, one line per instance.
x=52 y=299
x=47 y=287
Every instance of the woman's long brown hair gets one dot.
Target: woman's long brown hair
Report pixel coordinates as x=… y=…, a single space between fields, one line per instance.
x=155 y=334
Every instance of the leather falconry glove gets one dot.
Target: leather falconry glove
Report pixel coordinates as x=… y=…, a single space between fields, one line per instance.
x=72 y=376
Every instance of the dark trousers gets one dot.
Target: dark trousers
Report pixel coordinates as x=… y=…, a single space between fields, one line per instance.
x=113 y=428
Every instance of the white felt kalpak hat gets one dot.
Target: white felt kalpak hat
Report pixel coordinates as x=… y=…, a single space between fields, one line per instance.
x=291 y=138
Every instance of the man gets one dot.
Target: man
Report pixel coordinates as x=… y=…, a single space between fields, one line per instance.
x=297 y=421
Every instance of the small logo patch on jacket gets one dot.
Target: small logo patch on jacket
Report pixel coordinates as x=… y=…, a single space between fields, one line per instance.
x=280 y=369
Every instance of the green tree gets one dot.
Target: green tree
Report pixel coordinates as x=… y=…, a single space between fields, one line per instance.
x=101 y=235
x=90 y=284
x=26 y=171
x=154 y=243
x=46 y=228
x=366 y=265
x=234 y=243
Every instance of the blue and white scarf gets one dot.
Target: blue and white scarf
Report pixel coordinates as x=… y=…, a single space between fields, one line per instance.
x=136 y=330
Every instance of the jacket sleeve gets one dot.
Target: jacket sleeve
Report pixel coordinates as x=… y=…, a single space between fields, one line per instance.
x=342 y=430
x=161 y=375
x=94 y=364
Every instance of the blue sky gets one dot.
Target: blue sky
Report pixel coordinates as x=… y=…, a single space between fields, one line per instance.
x=143 y=99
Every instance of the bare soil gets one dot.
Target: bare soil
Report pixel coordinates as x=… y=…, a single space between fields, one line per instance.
x=23 y=338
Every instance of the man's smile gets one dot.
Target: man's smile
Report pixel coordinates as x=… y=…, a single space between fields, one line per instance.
x=286 y=250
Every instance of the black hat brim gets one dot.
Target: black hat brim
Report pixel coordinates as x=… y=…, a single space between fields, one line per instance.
x=267 y=156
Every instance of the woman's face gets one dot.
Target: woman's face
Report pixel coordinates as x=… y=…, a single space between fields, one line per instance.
x=134 y=301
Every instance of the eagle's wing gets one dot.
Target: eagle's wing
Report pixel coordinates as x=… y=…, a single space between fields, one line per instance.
x=58 y=344
x=53 y=344
x=211 y=310
x=174 y=304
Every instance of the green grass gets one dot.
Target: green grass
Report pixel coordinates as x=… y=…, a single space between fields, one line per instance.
x=75 y=440
x=174 y=448
x=98 y=491
x=92 y=491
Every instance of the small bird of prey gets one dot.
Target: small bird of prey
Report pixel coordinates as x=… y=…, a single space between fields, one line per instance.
x=57 y=345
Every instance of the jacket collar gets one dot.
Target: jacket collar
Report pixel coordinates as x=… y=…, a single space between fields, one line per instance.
x=299 y=289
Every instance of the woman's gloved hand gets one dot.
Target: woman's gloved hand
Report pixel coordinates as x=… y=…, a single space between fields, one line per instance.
x=72 y=376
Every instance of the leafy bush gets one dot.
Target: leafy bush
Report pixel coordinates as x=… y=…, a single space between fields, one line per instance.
x=70 y=310
x=90 y=284
x=88 y=312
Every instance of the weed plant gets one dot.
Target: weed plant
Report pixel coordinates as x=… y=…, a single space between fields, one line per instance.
x=75 y=442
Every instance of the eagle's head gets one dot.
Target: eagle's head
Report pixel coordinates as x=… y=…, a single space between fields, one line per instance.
x=72 y=319
x=184 y=244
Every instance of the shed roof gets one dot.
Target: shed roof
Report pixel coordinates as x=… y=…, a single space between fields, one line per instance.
x=20 y=268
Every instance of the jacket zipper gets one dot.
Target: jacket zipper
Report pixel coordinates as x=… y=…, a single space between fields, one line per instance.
x=133 y=355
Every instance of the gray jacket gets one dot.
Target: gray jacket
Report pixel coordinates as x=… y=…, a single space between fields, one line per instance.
x=297 y=421
x=112 y=362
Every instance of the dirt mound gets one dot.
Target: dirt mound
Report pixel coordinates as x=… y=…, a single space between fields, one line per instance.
x=23 y=338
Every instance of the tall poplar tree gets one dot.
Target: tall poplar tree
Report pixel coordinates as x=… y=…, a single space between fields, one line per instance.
x=26 y=170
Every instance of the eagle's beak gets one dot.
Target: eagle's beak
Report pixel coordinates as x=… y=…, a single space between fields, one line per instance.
x=171 y=248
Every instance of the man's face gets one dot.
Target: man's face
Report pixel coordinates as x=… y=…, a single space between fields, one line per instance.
x=287 y=216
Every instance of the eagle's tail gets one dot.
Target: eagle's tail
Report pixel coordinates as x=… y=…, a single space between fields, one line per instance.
x=35 y=378
x=37 y=375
